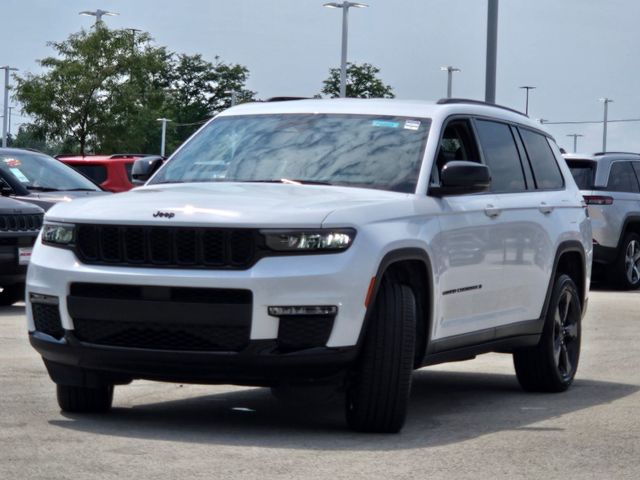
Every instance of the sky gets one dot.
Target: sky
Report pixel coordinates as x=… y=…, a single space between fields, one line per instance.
x=574 y=51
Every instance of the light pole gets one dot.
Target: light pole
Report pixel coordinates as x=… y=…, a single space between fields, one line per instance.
x=526 y=104
x=5 y=120
x=575 y=140
x=98 y=14
x=492 y=51
x=606 y=102
x=164 y=134
x=133 y=38
x=449 y=69
x=345 y=6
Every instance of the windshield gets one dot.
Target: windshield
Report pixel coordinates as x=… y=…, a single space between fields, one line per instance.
x=40 y=172
x=380 y=152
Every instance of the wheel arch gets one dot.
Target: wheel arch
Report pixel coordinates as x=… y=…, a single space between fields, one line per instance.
x=413 y=267
x=631 y=224
x=570 y=259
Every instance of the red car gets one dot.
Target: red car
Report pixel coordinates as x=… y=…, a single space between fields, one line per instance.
x=111 y=172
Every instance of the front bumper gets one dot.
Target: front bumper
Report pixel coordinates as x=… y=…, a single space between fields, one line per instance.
x=71 y=362
x=336 y=280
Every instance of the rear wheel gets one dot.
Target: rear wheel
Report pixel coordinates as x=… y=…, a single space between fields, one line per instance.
x=551 y=365
x=378 y=392
x=12 y=294
x=625 y=273
x=74 y=399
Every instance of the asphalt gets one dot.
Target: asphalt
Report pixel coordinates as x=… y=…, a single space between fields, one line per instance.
x=467 y=420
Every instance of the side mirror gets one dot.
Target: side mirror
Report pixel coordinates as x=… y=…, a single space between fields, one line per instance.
x=461 y=177
x=143 y=168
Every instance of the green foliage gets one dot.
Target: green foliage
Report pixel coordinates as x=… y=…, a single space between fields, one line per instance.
x=105 y=89
x=362 y=82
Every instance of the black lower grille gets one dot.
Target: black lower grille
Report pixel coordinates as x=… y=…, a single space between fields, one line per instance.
x=167 y=247
x=298 y=332
x=47 y=319
x=161 y=318
x=180 y=336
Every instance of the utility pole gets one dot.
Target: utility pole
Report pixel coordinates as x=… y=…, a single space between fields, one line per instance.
x=606 y=102
x=526 y=104
x=9 y=128
x=575 y=140
x=345 y=6
x=164 y=134
x=492 y=51
x=5 y=120
x=449 y=69
x=133 y=38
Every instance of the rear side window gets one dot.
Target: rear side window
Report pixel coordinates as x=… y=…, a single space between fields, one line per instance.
x=583 y=173
x=501 y=156
x=622 y=178
x=129 y=168
x=97 y=173
x=543 y=162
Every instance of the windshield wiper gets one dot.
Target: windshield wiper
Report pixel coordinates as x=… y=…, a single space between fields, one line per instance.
x=42 y=189
x=289 y=181
x=81 y=190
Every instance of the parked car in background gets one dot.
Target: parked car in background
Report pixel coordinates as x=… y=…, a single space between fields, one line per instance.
x=301 y=243
x=19 y=226
x=40 y=179
x=610 y=185
x=111 y=172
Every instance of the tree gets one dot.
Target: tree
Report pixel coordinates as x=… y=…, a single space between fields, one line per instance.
x=199 y=89
x=104 y=90
x=362 y=82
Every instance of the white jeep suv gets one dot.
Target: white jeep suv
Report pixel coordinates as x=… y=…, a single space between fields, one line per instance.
x=349 y=241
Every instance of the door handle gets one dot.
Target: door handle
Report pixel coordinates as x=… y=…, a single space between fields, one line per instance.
x=492 y=211
x=544 y=208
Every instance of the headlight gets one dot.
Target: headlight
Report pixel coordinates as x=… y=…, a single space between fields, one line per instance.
x=58 y=234
x=334 y=240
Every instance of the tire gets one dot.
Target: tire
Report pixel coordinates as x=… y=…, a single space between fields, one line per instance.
x=12 y=294
x=625 y=272
x=551 y=365
x=378 y=391
x=73 y=399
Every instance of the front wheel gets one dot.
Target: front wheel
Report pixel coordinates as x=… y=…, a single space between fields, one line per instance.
x=551 y=365
x=74 y=399
x=378 y=392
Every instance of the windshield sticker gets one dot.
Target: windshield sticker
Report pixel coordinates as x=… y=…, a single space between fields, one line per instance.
x=19 y=175
x=412 y=125
x=12 y=162
x=385 y=123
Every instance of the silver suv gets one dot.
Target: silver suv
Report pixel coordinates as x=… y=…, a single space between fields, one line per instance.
x=610 y=186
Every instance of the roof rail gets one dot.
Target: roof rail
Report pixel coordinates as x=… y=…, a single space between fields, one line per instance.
x=286 y=99
x=599 y=154
x=447 y=101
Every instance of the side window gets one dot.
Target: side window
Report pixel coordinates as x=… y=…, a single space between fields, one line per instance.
x=543 y=163
x=501 y=156
x=457 y=143
x=622 y=178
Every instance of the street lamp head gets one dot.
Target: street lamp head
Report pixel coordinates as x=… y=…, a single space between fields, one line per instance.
x=606 y=100
x=450 y=69
x=345 y=5
x=528 y=87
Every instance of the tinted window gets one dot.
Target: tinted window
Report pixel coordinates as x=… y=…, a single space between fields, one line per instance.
x=129 y=168
x=543 y=162
x=349 y=150
x=97 y=173
x=501 y=156
x=583 y=173
x=622 y=178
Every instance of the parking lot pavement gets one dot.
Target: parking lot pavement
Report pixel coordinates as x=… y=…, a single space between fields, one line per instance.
x=467 y=420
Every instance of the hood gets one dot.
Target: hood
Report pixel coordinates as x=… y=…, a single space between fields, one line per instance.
x=220 y=204
x=11 y=206
x=47 y=199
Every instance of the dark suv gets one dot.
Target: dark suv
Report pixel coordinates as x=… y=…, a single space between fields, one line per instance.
x=19 y=226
